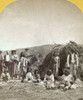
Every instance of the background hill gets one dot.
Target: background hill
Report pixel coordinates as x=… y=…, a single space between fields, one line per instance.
x=44 y=50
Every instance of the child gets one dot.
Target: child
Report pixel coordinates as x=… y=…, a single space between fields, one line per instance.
x=37 y=76
x=29 y=77
x=49 y=80
x=67 y=79
x=5 y=76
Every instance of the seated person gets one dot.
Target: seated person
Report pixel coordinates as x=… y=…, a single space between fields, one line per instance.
x=49 y=80
x=37 y=76
x=5 y=76
x=29 y=77
x=67 y=80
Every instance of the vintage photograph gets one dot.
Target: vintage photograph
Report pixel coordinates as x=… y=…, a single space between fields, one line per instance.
x=41 y=51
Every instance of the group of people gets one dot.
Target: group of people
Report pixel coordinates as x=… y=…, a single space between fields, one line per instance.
x=9 y=63
x=14 y=66
x=26 y=67
x=69 y=79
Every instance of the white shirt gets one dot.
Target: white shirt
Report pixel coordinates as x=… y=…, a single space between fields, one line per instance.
x=29 y=76
x=23 y=61
x=67 y=78
x=7 y=58
x=77 y=60
x=3 y=75
x=49 y=77
x=15 y=57
x=68 y=57
x=72 y=58
x=56 y=59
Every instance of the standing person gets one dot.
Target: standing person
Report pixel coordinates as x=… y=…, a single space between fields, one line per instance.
x=15 y=60
x=26 y=52
x=68 y=60
x=74 y=64
x=28 y=58
x=56 y=65
x=7 y=61
x=19 y=69
x=23 y=67
x=1 y=61
x=39 y=59
x=12 y=65
x=77 y=64
x=21 y=63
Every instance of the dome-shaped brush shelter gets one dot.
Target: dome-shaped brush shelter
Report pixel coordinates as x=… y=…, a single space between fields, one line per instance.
x=62 y=51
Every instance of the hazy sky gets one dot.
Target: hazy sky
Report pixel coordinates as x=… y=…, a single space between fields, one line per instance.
x=29 y=23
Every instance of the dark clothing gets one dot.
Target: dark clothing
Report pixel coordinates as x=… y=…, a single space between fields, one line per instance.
x=0 y=67
x=5 y=78
x=1 y=60
x=24 y=75
x=7 y=65
x=12 y=70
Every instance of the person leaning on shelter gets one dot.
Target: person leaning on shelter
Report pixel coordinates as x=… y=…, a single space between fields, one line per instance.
x=74 y=64
x=56 y=65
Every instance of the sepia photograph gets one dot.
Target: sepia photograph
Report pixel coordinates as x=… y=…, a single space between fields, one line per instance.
x=41 y=50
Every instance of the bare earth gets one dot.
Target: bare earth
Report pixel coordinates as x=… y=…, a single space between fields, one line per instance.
x=16 y=90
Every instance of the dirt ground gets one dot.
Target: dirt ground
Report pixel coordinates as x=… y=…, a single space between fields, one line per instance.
x=15 y=90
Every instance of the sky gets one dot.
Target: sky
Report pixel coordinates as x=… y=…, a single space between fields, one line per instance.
x=28 y=23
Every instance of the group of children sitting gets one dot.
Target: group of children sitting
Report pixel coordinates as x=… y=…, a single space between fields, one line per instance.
x=64 y=82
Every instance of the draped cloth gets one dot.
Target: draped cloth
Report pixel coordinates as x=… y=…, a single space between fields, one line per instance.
x=56 y=66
